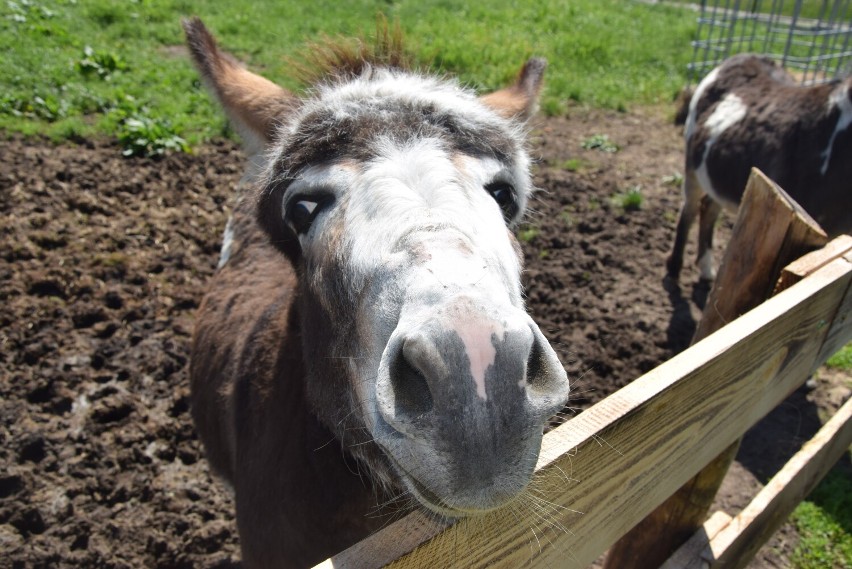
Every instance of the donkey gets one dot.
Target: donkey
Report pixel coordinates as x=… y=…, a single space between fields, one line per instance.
x=365 y=334
x=749 y=112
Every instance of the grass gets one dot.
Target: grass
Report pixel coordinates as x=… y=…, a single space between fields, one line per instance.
x=600 y=142
x=675 y=180
x=824 y=519
x=82 y=68
x=842 y=359
x=824 y=522
x=809 y=8
x=144 y=136
x=631 y=200
x=574 y=165
x=527 y=233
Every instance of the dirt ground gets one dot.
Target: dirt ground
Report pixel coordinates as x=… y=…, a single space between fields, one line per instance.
x=103 y=261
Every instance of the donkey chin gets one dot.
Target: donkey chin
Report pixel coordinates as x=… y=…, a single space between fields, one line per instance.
x=460 y=399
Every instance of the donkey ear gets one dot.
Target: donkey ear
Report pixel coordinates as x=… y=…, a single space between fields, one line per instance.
x=253 y=104
x=520 y=100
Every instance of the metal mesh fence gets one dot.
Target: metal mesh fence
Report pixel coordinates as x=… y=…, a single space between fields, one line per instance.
x=809 y=38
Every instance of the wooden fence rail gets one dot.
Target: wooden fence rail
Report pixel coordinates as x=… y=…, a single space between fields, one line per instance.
x=731 y=542
x=771 y=231
x=604 y=471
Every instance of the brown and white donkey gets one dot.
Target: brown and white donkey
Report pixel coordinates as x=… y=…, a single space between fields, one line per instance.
x=749 y=112
x=365 y=336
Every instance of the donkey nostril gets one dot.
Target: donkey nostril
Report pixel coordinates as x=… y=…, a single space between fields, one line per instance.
x=412 y=396
x=536 y=376
x=547 y=383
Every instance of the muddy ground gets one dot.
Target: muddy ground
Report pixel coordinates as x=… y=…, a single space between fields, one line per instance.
x=103 y=262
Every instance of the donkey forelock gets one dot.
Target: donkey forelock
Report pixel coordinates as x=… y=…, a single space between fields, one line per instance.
x=350 y=120
x=344 y=120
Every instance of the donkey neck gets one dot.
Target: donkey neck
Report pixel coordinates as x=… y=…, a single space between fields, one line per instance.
x=297 y=465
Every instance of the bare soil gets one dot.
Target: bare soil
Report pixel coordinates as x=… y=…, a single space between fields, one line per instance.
x=103 y=261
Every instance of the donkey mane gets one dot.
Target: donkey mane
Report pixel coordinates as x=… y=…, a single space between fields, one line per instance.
x=339 y=59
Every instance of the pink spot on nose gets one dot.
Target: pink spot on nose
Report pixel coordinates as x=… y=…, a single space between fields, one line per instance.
x=476 y=336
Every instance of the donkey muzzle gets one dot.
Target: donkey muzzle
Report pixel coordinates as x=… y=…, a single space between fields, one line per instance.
x=463 y=396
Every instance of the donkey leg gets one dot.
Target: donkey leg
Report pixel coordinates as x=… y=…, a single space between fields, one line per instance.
x=689 y=209
x=710 y=209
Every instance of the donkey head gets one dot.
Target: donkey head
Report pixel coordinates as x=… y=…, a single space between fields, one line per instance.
x=393 y=195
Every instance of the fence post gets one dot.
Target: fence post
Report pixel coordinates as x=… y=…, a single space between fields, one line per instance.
x=771 y=231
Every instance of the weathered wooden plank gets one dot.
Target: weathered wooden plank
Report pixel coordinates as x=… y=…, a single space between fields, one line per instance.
x=837 y=335
x=691 y=551
x=806 y=264
x=606 y=469
x=736 y=544
x=383 y=547
x=675 y=520
x=839 y=247
x=771 y=231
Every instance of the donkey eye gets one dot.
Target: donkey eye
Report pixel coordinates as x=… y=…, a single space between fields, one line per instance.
x=302 y=214
x=504 y=194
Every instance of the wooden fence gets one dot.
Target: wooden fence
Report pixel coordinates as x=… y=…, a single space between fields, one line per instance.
x=603 y=472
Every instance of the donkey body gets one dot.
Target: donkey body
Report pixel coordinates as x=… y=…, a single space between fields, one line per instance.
x=749 y=112
x=364 y=337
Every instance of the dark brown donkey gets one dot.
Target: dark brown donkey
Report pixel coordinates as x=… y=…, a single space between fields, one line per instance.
x=365 y=334
x=750 y=112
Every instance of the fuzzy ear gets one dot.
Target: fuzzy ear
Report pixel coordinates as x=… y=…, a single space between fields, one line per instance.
x=253 y=104
x=520 y=100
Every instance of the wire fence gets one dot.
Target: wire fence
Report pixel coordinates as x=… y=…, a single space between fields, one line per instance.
x=809 y=38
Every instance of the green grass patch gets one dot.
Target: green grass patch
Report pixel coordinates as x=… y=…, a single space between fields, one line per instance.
x=143 y=136
x=842 y=359
x=71 y=66
x=808 y=8
x=600 y=142
x=528 y=233
x=824 y=522
x=575 y=165
x=631 y=200
x=101 y=63
x=675 y=180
